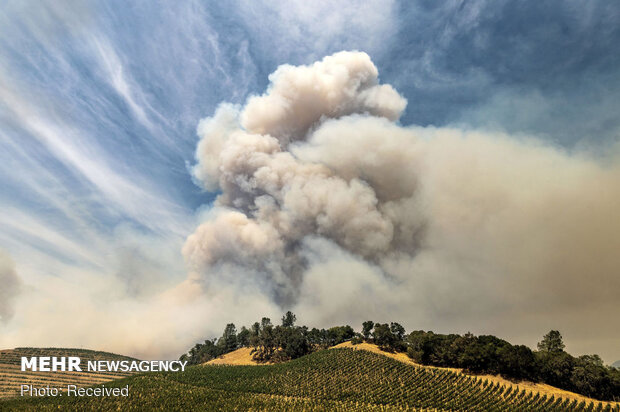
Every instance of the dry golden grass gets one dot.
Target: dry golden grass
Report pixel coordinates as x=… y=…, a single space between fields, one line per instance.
x=541 y=388
x=242 y=356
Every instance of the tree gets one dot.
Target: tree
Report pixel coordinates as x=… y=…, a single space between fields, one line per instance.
x=255 y=334
x=339 y=334
x=292 y=342
x=243 y=337
x=255 y=329
x=384 y=337
x=517 y=362
x=201 y=353
x=317 y=337
x=415 y=346
x=397 y=330
x=228 y=341
x=551 y=342
x=265 y=343
x=591 y=378
x=288 y=320
x=555 y=368
x=367 y=328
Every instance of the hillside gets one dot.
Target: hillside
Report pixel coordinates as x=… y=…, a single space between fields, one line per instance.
x=11 y=377
x=530 y=387
x=241 y=356
x=338 y=379
x=616 y=364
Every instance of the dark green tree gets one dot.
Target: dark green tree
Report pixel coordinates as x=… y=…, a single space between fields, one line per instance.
x=339 y=334
x=551 y=342
x=292 y=342
x=367 y=329
x=383 y=337
x=517 y=362
x=416 y=346
x=397 y=330
x=288 y=320
x=555 y=368
x=228 y=341
x=266 y=343
x=243 y=337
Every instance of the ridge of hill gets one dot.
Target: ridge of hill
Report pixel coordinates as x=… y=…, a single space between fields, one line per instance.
x=339 y=379
x=243 y=356
x=530 y=387
x=11 y=376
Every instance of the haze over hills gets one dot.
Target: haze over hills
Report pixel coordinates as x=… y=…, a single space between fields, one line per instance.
x=616 y=364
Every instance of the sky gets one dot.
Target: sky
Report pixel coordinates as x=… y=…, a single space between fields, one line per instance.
x=117 y=234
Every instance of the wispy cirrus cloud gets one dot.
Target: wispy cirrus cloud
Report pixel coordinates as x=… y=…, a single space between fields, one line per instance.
x=99 y=105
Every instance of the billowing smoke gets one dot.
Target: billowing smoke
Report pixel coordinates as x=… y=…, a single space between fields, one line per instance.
x=276 y=195
x=10 y=286
x=328 y=205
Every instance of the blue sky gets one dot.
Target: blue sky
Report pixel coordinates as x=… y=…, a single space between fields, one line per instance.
x=99 y=103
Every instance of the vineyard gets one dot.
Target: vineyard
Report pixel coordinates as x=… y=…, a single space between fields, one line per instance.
x=338 y=379
x=11 y=377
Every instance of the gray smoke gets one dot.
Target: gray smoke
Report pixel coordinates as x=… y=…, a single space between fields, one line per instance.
x=326 y=201
x=10 y=286
x=274 y=195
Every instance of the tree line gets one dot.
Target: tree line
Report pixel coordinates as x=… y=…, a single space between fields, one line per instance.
x=484 y=354
x=487 y=354
x=270 y=343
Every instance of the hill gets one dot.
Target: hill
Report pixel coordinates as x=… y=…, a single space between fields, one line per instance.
x=529 y=387
x=11 y=377
x=616 y=364
x=338 y=379
x=243 y=356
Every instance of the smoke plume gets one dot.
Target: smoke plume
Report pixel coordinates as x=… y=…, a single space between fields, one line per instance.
x=326 y=202
x=273 y=197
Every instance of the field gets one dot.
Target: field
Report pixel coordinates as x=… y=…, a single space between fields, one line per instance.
x=529 y=387
x=11 y=377
x=337 y=379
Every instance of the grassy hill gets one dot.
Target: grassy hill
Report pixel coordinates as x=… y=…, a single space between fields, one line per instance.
x=241 y=356
x=529 y=387
x=338 y=379
x=11 y=377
